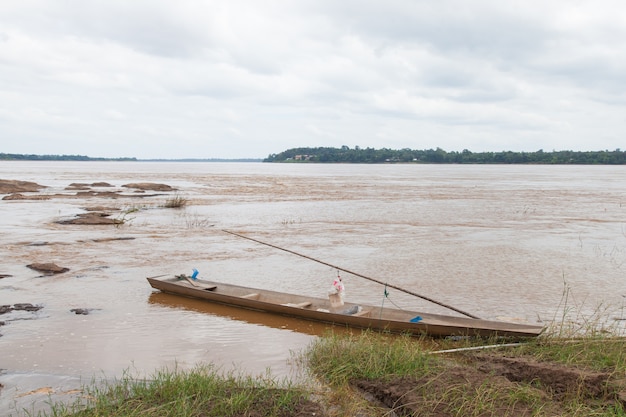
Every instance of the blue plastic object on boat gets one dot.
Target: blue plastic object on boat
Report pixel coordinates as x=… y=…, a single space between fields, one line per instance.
x=416 y=319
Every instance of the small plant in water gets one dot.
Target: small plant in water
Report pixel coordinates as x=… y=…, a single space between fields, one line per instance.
x=176 y=201
x=123 y=219
x=132 y=209
x=195 y=221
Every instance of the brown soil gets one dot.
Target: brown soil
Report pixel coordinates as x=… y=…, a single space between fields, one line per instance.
x=551 y=384
x=304 y=409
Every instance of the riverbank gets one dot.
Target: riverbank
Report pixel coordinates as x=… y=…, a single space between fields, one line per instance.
x=371 y=374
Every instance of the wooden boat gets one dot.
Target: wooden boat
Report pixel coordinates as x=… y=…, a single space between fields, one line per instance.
x=348 y=314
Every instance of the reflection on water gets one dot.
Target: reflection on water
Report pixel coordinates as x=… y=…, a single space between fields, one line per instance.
x=495 y=241
x=249 y=316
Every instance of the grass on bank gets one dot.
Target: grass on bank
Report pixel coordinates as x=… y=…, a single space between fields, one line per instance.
x=339 y=359
x=592 y=353
x=199 y=392
x=441 y=386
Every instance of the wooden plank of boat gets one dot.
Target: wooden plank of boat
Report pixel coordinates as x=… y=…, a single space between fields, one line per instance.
x=350 y=314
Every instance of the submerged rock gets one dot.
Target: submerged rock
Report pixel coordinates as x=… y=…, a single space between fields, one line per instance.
x=82 y=311
x=92 y=218
x=26 y=307
x=77 y=186
x=149 y=186
x=101 y=208
x=15 y=186
x=48 y=268
x=19 y=306
x=19 y=196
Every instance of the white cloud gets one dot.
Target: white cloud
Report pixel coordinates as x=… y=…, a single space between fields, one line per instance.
x=244 y=78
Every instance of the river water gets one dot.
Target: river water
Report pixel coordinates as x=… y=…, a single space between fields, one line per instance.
x=523 y=243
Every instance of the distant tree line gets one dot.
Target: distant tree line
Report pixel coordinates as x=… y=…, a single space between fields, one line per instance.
x=439 y=156
x=23 y=157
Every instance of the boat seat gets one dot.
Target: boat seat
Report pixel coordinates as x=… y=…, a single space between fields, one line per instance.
x=253 y=296
x=362 y=313
x=298 y=305
x=302 y=305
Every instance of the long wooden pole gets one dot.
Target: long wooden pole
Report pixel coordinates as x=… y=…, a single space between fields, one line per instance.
x=354 y=273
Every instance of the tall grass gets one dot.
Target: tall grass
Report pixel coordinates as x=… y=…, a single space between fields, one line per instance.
x=598 y=353
x=570 y=321
x=370 y=355
x=199 y=392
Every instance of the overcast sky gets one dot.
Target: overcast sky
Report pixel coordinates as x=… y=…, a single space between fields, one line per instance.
x=244 y=79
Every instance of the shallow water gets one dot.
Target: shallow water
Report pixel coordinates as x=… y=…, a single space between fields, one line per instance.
x=501 y=242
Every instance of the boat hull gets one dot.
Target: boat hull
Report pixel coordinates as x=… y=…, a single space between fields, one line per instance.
x=350 y=314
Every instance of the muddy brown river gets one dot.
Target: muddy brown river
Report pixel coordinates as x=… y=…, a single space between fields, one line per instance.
x=524 y=243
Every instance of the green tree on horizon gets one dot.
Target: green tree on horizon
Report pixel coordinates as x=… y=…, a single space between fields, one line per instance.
x=439 y=156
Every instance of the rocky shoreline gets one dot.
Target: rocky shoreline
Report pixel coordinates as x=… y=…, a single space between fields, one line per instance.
x=96 y=215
